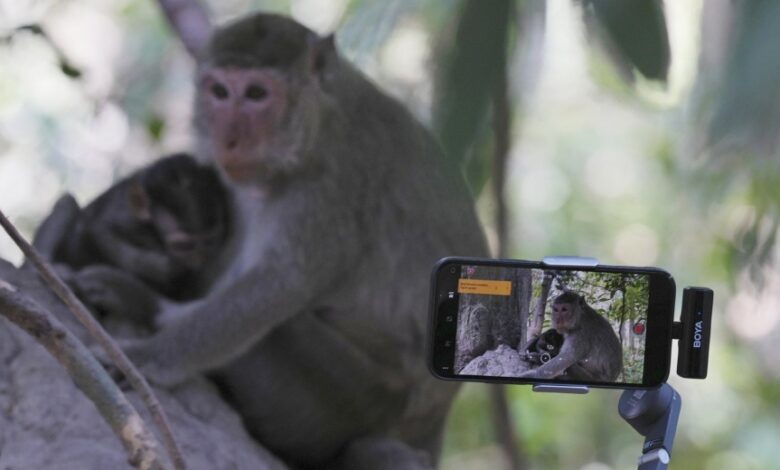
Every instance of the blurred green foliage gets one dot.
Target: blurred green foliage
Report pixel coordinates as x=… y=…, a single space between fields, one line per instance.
x=635 y=32
x=472 y=68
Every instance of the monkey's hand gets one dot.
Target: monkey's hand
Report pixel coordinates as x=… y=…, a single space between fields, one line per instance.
x=555 y=367
x=170 y=314
x=153 y=368
x=139 y=353
x=150 y=265
x=153 y=267
x=111 y=291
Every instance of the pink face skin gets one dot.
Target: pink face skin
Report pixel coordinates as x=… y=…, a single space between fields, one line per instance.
x=563 y=316
x=245 y=108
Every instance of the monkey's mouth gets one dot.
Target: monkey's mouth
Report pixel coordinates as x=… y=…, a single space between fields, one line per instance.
x=255 y=170
x=239 y=171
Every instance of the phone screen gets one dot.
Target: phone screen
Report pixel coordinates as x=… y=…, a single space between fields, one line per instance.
x=528 y=322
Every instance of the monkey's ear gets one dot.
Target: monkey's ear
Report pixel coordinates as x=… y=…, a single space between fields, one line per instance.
x=138 y=201
x=323 y=54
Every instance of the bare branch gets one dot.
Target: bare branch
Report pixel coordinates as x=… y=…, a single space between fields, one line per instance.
x=133 y=376
x=502 y=124
x=66 y=66
x=87 y=373
x=537 y=321
x=190 y=20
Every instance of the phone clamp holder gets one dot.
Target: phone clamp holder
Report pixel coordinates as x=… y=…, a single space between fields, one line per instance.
x=654 y=413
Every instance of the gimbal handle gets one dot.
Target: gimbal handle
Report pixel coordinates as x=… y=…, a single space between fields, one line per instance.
x=653 y=414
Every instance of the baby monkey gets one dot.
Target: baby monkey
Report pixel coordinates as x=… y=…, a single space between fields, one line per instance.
x=160 y=225
x=543 y=348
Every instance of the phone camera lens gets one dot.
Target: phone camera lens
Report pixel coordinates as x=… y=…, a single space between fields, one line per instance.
x=453 y=270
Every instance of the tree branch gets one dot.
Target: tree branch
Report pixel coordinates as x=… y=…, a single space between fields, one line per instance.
x=133 y=376
x=66 y=66
x=87 y=373
x=191 y=22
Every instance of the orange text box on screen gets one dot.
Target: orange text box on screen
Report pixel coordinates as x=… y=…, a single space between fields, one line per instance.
x=484 y=287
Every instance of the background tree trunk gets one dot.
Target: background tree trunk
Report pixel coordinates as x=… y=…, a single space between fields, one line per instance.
x=537 y=321
x=487 y=321
x=524 y=294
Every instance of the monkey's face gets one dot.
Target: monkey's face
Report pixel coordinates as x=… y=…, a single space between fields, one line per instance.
x=247 y=117
x=258 y=98
x=190 y=248
x=564 y=316
x=187 y=206
x=550 y=340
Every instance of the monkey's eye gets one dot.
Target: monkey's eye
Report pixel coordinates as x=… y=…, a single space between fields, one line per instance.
x=256 y=92
x=219 y=91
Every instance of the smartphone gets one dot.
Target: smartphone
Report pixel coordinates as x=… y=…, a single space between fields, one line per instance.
x=529 y=322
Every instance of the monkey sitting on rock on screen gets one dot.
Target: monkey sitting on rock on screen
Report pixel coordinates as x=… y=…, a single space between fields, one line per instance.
x=591 y=350
x=315 y=328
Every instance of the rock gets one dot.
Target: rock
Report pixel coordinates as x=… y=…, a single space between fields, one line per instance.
x=500 y=362
x=47 y=423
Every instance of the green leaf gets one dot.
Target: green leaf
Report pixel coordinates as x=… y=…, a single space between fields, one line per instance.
x=634 y=32
x=749 y=99
x=470 y=71
x=155 y=127
x=69 y=70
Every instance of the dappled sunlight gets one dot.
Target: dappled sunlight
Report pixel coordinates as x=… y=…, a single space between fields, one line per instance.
x=729 y=459
x=320 y=15
x=754 y=312
x=14 y=12
x=637 y=245
x=613 y=175
x=596 y=466
x=108 y=130
x=485 y=458
x=543 y=188
x=405 y=55
x=80 y=27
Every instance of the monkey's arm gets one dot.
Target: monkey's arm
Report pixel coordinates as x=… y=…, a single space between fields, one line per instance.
x=577 y=372
x=108 y=289
x=213 y=331
x=297 y=257
x=556 y=366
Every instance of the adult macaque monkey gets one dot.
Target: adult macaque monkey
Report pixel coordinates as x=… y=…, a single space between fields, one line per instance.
x=591 y=350
x=315 y=329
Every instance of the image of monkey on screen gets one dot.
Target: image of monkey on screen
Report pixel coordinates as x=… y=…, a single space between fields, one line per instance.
x=551 y=325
